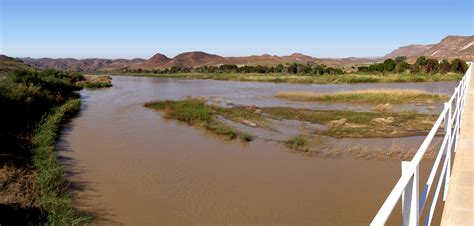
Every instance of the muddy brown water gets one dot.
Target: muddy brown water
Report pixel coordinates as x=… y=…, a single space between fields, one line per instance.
x=130 y=166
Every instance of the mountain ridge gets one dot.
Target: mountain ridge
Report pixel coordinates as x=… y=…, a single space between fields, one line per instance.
x=451 y=46
x=448 y=48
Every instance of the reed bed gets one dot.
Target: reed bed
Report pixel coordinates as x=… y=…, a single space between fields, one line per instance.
x=373 y=96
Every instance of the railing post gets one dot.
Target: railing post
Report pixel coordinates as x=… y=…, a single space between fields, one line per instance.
x=457 y=124
x=447 y=129
x=415 y=202
x=410 y=199
x=406 y=197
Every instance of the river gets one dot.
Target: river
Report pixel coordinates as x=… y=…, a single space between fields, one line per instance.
x=130 y=166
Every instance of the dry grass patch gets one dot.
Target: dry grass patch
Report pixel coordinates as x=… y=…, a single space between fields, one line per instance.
x=374 y=96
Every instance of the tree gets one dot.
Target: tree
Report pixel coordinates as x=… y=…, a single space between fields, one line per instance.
x=402 y=67
x=458 y=65
x=279 y=68
x=444 y=66
x=389 y=65
x=293 y=68
x=400 y=59
x=362 y=69
x=421 y=60
x=306 y=69
x=418 y=66
x=431 y=66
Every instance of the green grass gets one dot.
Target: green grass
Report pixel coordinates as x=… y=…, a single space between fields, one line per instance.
x=366 y=96
x=51 y=189
x=308 y=78
x=96 y=85
x=300 y=142
x=197 y=113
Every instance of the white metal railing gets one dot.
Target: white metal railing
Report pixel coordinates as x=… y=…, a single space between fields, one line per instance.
x=407 y=186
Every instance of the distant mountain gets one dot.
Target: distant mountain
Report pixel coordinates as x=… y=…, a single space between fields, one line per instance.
x=267 y=59
x=157 y=60
x=91 y=64
x=197 y=59
x=449 y=47
x=8 y=64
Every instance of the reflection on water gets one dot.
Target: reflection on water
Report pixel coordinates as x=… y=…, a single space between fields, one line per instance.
x=136 y=168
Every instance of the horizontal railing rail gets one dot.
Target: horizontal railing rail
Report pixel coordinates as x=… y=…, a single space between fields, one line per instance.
x=408 y=186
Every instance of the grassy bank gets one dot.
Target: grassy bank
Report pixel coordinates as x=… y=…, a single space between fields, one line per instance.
x=28 y=137
x=195 y=112
x=366 y=96
x=51 y=191
x=308 y=79
x=339 y=123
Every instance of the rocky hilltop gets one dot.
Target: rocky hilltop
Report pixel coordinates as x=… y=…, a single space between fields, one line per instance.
x=449 y=47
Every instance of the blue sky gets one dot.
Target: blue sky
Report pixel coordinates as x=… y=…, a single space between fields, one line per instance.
x=140 y=28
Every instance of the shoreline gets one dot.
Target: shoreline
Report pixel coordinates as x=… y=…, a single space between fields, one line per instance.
x=351 y=78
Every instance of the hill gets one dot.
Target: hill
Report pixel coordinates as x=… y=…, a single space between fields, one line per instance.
x=9 y=63
x=91 y=64
x=198 y=58
x=449 y=47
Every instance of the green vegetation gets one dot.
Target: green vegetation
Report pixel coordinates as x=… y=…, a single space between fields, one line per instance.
x=339 y=123
x=294 y=68
x=422 y=65
x=50 y=184
x=28 y=134
x=95 y=82
x=391 y=70
x=25 y=96
x=311 y=79
x=301 y=143
x=196 y=113
x=366 y=96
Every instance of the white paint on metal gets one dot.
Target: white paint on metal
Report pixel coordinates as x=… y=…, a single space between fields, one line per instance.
x=407 y=186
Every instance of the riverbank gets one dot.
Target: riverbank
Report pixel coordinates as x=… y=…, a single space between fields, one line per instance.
x=308 y=79
x=51 y=189
x=38 y=194
x=34 y=104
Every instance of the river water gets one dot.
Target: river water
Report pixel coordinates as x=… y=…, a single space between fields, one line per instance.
x=130 y=166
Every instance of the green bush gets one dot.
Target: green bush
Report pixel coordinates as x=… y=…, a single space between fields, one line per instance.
x=33 y=103
x=25 y=96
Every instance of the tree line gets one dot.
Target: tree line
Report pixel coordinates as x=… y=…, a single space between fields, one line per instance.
x=398 y=65
x=294 y=68
x=421 y=65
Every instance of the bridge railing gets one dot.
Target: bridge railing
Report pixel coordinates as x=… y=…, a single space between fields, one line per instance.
x=408 y=186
